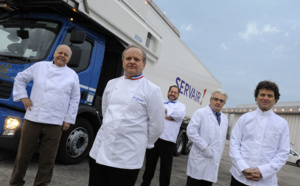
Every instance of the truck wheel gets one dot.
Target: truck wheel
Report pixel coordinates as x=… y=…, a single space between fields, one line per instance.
x=187 y=146
x=180 y=143
x=298 y=163
x=76 y=142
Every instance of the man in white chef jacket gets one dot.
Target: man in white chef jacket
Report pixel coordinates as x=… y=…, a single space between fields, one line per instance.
x=207 y=130
x=164 y=147
x=260 y=142
x=133 y=119
x=51 y=108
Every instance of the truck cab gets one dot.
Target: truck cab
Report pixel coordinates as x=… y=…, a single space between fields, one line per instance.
x=29 y=36
x=97 y=31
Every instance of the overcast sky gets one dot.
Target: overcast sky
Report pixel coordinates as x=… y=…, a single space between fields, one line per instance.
x=243 y=42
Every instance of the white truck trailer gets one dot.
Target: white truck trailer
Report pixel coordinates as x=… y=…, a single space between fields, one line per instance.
x=97 y=31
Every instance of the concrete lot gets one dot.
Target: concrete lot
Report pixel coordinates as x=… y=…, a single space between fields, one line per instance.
x=77 y=175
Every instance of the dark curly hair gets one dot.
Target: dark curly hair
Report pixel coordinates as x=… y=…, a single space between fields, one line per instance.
x=269 y=85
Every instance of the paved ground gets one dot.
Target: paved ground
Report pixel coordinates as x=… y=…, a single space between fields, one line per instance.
x=77 y=175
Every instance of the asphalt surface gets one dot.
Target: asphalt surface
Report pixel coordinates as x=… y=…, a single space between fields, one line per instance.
x=77 y=175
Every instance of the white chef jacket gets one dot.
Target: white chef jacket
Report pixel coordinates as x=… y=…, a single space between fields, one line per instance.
x=259 y=139
x=208 y=139
x=133 y=119
x=55 y=93
x=176 y=110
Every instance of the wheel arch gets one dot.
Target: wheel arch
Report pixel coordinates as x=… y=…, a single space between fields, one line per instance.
x=298 y=162
x=91 y=114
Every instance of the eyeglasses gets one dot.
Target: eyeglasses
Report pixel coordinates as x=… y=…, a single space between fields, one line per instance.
x=173 y=92
x=216 y=100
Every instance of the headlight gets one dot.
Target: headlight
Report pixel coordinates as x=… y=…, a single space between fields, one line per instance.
x=11 y=124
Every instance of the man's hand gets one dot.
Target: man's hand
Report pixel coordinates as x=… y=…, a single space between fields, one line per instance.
x=256 y=175
x=169 y=118
x=65 y=126
x=252 y=174
x=27 y=103
x=248 y=173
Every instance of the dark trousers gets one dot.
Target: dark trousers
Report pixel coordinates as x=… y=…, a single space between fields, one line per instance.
x=164 y=150
x=235 y=182
x=101 y=175
x=49 y=136
x=194 y=182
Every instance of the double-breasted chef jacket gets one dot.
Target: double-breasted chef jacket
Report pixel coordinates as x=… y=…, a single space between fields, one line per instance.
x=55 y=94
x=133 y=119
x=176 y=110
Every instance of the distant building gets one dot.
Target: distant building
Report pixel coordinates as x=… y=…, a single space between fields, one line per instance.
x=288 y=110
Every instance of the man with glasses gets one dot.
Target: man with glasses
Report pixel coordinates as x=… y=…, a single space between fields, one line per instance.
x=207 y=130
x=164 y=147
x=260 y=142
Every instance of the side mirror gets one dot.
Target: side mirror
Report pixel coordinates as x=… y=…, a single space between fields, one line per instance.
x=24 y=34
x=77 y=36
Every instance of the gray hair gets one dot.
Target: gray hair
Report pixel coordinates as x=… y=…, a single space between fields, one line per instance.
x=134 y=46
x=220 y=91
x=64 y=46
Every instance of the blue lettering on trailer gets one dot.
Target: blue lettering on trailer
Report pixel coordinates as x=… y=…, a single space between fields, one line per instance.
x=138 y=38
x=187 y=90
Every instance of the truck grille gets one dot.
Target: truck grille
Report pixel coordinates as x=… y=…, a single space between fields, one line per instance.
x=5 y=89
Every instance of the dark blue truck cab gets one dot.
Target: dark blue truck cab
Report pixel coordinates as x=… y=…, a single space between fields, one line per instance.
x=30 y=31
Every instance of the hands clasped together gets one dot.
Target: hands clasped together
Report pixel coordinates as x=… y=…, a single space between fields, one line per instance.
x=252 y=174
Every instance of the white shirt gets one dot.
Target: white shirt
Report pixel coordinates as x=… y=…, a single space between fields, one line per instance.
x=133 y=119
x=208 y=139
x=259 y=139
x=55 y=93
x=175 y=110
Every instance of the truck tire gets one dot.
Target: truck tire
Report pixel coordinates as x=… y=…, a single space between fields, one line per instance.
x=75 y=143
x=180 y=143
x=298 y=163
x=187 y=146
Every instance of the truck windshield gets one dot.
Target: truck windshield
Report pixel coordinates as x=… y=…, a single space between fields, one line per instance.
x=26 y=40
